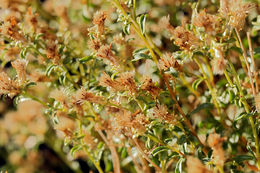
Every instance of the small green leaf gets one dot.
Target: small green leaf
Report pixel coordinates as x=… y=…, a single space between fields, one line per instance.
x=142 y=21
x=86 y=58
x=158 y=150
x=242 y=115
x=178 y=168
x=49 y=70
x=201 y=107
x=140 y=56
x=23 y=53
x=29 y=84
x=237 y=49
x=74 y=149
x=196 y=83
x=241 y=158
x=66 y=60
x=142 y=50
x=126 y=28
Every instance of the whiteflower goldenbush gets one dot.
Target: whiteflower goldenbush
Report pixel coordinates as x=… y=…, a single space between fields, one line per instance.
x=129 y=86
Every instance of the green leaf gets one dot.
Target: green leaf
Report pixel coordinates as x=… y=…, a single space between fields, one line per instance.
x=49 y=70
x=29 y=84
x=74 y=149
x=240 y=116
x=66 y=60
x=86 y=58
x=196 y=83
x=142 y=21
x=237 y=49
x=178 y=168
x=140 y=56
x=241 y=158
x=158 y=150
x=126 y=28
x=23 y=53
x=142 y=50
x=201 y=107
x=86 y=19
x=124 y=152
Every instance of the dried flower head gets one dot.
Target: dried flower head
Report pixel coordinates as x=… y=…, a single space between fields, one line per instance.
x=52 y=52
x=20 y=67
x=106 y=81
x=185 y=39
x=65 y=124
x=167 y=61
x=59 y=95
x=12 y=53
x=122 y=122
x=82 y=95
x=194 y=165
x=89 y=140
x=128 y=81
x=10 y=29
x=215 y=142
x=218 y=63
x=149 y=86
x=8 y=86
x=207 y=21
x=95 y=44
x=161 y=112
x=99 y=21
x=236 y=10
x=31 y=19
x=119 y=39
x=106 y=53
x=164 y=23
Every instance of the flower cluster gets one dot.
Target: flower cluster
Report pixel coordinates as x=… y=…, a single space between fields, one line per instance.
x=129 y=86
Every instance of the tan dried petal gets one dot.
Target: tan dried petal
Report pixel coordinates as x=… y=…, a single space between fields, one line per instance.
x=20 y=67
x=194 y=165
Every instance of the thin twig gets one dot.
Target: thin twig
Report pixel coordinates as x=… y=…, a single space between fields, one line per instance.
x=247 y=64
x=253 y=62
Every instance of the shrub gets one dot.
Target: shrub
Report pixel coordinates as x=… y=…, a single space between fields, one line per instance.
x=129 y=86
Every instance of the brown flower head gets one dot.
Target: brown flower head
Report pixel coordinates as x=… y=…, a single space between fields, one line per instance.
x=12 y=53
x=218 y=63
x=161 y=112
x=52 y=52
x=236 y=11
x=99 y=21
x=106 y=53
x=10 y=29
x=215 y=142
x=194 y=165
x=164 y=23
x=149 y=86
x=185 y=39
x=106 y=81
x=65 y=124
x=167 y=61
x=95 y=44
x=82 y=95
x=20 y=67
x=127 y=80
x=31 y=18
x=207 y=21
x=8 y=86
